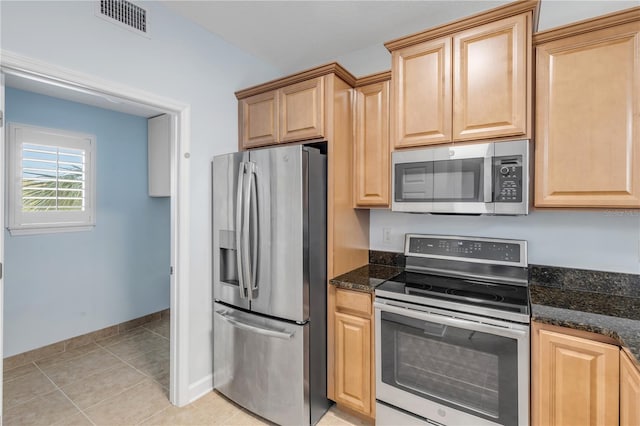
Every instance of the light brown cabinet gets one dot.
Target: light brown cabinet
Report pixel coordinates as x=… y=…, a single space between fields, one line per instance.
x=351 y=348
x=629 y=391
x=588 y=113
x=491 y=79
x=302 y=110
x=258 y=119
x=421 y=103
x=465 y=81
x=574 y=379
x=291 y=113
x=372 y=159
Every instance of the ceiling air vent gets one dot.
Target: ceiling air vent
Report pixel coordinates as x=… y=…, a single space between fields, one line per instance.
x=125 y=14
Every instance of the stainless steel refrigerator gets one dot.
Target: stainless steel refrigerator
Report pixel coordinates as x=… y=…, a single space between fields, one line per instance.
x=269 y=282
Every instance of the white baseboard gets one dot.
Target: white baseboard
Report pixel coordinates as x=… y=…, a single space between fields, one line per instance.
x=200 y=388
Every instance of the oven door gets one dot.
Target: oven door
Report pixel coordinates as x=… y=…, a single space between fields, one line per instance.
x=456 y=179
x=451 y=368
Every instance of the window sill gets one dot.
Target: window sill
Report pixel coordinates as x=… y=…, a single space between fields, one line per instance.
x=49 y=230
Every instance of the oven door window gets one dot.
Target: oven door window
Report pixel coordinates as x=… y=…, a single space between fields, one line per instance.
x=440 y=181
x=467 y=370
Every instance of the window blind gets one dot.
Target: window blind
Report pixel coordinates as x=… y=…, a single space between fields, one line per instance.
x=53 y=178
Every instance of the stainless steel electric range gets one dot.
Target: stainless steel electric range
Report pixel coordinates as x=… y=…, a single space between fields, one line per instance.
x=452 y=334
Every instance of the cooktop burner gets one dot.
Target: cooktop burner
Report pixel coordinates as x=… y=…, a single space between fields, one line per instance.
x=493 y=295
x=476 y=295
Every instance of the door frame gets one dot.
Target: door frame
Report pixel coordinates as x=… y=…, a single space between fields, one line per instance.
x=180 y=112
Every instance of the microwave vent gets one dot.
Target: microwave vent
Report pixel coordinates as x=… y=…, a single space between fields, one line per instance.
x=125 y=14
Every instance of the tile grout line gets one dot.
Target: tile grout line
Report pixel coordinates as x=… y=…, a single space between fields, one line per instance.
x=110 y=397
x=154 y=332
x=138 y=370
x=16 y=378
x=154 y=414
x=105 y=348
x=65 y=395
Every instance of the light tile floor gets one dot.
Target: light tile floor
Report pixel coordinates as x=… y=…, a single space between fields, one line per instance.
x=121 y=380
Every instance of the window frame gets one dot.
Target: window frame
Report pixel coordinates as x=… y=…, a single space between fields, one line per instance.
x=20 y=222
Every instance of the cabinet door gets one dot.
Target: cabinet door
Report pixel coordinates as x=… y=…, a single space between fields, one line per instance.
x=372 y=145
x=629 y=392
x=587 y=120
x=353 y=362
x=302 y=110
x=421 y=102
x=574 y=381
x=490 y=80
x=259 y=123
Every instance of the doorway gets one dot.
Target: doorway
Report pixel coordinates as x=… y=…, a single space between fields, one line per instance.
x=64 y=84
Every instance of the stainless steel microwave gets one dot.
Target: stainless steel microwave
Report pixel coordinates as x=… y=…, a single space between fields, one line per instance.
x=485 y=178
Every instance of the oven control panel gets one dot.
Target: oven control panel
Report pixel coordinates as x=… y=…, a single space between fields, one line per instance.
x=483 y=250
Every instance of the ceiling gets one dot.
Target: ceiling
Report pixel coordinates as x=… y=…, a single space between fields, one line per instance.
x=293 y=35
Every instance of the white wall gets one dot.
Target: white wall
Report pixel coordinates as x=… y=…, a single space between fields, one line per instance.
x=179 y=61
x=603 y=240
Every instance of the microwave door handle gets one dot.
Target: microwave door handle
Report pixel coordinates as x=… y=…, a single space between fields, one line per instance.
x=238 y=234
x=488 y=180
x=246 y=199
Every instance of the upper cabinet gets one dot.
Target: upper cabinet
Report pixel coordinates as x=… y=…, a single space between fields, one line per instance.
x=302 y=110
x=588 y=113
x=491 y=79
x=259 y=119
x=468 y=80
x=293 y=112
x=421 y=103
x=372 y=162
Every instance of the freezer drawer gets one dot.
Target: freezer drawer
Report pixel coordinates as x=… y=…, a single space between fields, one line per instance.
x=261 y=364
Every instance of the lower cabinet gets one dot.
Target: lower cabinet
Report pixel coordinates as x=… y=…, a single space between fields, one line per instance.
x=629 y=391
x=352 y=350
x=576 y=380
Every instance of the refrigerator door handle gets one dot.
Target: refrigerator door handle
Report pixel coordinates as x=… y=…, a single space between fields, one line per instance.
x=253 y=284
x=239 y=205
x=246 y=200
x=236 y=322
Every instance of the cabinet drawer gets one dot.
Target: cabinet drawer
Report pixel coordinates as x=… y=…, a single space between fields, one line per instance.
x=353 y=301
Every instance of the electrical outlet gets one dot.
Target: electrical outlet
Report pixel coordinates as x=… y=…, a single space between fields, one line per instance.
x=386 y=235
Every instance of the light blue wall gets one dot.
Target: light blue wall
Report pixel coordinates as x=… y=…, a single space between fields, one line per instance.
x=605 y=240
x=59 y=286
x=180 y=61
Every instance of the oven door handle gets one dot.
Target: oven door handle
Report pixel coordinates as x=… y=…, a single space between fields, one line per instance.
x=506 y=331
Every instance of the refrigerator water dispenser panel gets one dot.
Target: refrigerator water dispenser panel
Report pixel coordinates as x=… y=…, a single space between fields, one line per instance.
x=228 y=264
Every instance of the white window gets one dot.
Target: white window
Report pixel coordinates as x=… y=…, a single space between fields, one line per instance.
x=51 y=180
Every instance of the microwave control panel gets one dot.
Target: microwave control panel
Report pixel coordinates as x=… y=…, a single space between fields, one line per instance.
x=507 y=179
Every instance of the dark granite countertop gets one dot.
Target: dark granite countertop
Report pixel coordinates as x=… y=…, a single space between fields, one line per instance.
x=366 y=278
x=614 y=316
x=606 y=303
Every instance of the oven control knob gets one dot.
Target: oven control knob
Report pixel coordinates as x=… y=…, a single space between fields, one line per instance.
x=441 y=412
x=504 y=170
